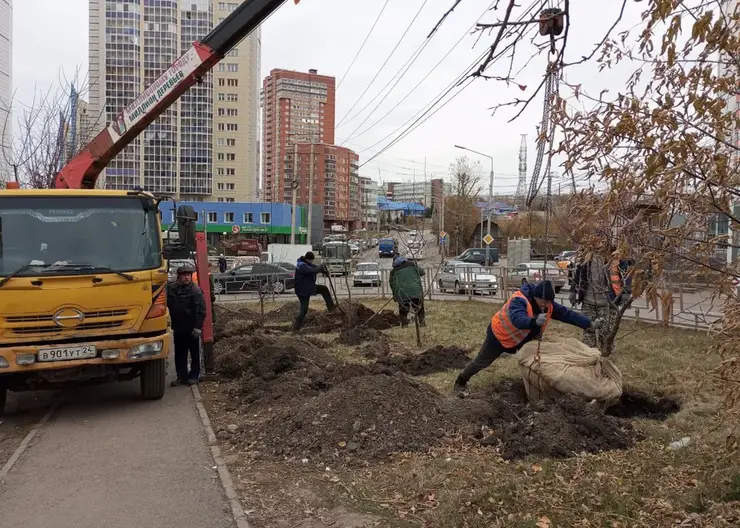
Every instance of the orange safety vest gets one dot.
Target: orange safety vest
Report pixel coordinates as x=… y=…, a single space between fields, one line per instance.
x=504 y=330
x=616 y=278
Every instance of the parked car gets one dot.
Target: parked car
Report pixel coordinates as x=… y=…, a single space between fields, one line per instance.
x=532 y=272
x=478 y=256
x=258 y=277
x=564 y=255
x=374 y=242
x=366 y=274
x=287 y=266
x=461 y=277
x=354 y=248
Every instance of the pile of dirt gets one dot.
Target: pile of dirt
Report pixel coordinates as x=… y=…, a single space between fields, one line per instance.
x=435 y=359
x=291 y=368
x=229 y=323
x=561 y=429
x=287 y=313
x=365 y=418
x=359 y=334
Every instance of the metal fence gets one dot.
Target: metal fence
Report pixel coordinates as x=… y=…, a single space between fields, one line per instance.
x=689 y=308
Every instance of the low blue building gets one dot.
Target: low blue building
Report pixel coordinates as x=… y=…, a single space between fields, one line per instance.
x=266 y=221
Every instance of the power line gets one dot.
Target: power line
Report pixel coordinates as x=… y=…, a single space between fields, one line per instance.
x=421 y=81
x=384 y=63
x=363 y=44
x=462 y=78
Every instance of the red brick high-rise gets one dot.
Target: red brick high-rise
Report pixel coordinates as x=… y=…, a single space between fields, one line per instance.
x=297 y=108
x=336 y=181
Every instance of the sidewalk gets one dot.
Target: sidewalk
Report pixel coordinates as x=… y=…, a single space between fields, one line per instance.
x=107 y=458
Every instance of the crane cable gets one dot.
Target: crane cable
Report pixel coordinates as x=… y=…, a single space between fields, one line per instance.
x=367 y=37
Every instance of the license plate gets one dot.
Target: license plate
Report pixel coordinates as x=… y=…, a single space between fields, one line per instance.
x=67 y=353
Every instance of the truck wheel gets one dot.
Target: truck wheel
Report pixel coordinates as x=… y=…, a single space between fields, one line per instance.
x=3 y=398
x=218 y=287
x=152 y=378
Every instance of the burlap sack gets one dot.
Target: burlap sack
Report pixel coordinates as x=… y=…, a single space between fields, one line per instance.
x=567 y=366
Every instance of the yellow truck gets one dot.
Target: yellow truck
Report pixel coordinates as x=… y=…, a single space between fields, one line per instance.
x=82 y=290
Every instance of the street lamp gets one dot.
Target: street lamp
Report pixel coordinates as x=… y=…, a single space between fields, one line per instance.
x=490 y=197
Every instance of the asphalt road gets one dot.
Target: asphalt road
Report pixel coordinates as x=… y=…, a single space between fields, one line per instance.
x=107 y=458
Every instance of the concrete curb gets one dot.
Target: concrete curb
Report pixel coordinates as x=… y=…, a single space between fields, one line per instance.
x=237 y=510
x=27 y=440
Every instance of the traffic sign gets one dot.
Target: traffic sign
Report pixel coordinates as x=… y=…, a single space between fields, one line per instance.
x=236 y=229
x=442 y=234
x=488 y=239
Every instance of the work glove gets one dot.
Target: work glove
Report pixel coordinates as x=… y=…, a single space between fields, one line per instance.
x=197 y=332
x=541 y=319
x=597 y=323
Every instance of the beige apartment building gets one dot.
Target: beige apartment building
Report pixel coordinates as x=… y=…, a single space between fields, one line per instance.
x=204 y=147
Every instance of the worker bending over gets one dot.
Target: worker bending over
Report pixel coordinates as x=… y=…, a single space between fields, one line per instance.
x=405 y=283
x=305 y=287
x=523 y=318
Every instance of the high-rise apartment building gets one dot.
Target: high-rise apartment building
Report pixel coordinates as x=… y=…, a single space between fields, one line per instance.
x=297 y=107
x=336 y=182
x=131 y=43
x=236 y=86
x=6 y=85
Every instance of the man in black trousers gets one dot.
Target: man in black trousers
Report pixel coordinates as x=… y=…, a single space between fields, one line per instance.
x=305 y=287
x=187 y=307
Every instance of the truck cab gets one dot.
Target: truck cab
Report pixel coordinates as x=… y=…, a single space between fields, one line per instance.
x=82 y=290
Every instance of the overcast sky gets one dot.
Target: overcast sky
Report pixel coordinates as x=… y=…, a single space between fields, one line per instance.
x=50 y=43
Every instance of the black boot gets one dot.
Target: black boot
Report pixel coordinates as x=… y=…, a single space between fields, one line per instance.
x=461 y=385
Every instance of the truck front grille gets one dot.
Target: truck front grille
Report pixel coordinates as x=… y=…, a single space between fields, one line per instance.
x=43 y=324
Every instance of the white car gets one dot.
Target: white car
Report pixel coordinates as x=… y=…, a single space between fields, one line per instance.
x=355 y=249
x=460 y=277
x=366 y=274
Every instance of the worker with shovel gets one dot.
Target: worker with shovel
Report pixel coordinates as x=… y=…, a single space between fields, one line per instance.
x=405 y=283
x=523 y=318
x=305 y=287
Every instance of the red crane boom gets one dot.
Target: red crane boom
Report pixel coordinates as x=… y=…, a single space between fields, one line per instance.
x=82 y=171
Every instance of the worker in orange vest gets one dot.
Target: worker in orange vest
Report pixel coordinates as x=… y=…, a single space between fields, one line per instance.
x=524 y=317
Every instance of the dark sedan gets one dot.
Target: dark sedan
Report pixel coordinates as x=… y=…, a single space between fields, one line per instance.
x=260 y=277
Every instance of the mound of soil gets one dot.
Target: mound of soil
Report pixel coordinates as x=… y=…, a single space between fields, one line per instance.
x=635 y=404
x=287 y=313
x=561 y=429
x=291 y=368
x=229 y=323
x=435 y=359
x=234 y=355
x=365 y=418
x=358 y=334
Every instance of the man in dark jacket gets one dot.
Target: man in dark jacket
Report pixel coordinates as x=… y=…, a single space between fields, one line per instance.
x=305 y=287
x=523 y=318
x=222 y=264
x=405 y=283
x=187 y=308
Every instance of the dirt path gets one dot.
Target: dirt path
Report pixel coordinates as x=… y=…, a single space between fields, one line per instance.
x=107 y=458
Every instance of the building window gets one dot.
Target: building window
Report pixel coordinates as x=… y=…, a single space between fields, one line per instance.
x=233 y=53
x=222 y=6
x=220 y=156
x=265 y=218
x=222 y=111
x=230 y=157
x=232 y=97
x=230 y=186
x=232 y=67
x=230 y=200
x=220 y=200
x=213 y=217
x=232 y=127
x=221 y=66
x=220 y=142
x=248 y=218
x=231 y=142
x=230 y=172
x=220 y=171
x=222 y=126
x=221 y=96
x=222 y=82
x=220 y=186
x=232 y=112
x=229 y=218
x=230 y=82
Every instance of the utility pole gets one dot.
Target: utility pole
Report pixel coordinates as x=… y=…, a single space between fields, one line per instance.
x=490 y=199
x=310 y=196
x=294 y=186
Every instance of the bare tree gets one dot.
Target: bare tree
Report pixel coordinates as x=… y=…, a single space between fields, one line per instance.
x=461 y=214
x=49 y=131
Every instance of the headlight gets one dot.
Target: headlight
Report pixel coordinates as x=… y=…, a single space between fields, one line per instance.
x=145 y=350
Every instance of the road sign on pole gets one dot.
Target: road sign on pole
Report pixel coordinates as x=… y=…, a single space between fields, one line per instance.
x=236 y=229
x=488 y=239
x=442 y=234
